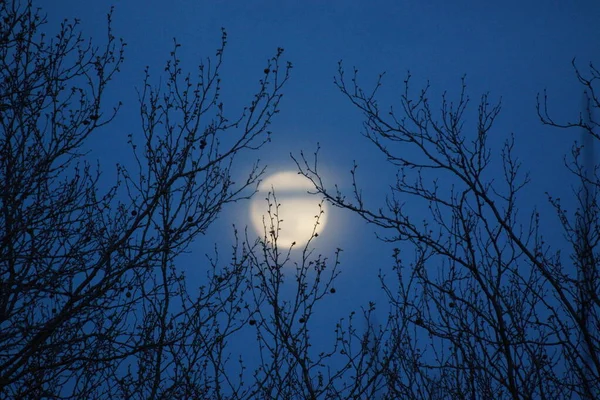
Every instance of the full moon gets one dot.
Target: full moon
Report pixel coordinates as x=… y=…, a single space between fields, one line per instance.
x=296 y=210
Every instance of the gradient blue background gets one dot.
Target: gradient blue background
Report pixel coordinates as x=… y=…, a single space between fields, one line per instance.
x=513 y=49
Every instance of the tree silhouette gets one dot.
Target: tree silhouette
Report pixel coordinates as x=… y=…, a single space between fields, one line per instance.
x=93 y=304
x=482 y=306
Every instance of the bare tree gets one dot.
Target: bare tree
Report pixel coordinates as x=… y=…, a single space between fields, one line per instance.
x=482 y=306
x=91 y=304
x=287 y=290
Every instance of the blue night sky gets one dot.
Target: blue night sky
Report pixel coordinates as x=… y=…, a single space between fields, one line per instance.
x=512 y=49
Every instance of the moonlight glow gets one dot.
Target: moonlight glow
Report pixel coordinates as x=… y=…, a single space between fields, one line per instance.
x=297 y=211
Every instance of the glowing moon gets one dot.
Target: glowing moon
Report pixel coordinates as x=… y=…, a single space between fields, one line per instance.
x=298 y=211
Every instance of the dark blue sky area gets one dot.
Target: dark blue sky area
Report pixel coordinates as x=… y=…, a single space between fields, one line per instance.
x=513 y=49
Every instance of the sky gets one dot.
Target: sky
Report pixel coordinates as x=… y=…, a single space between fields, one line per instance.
x=511 y=49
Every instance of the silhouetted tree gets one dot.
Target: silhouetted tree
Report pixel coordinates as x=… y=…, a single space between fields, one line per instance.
x=91 y=304
x=482 y=306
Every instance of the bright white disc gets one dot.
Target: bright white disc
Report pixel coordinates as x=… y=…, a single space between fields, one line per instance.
x=297 y=211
